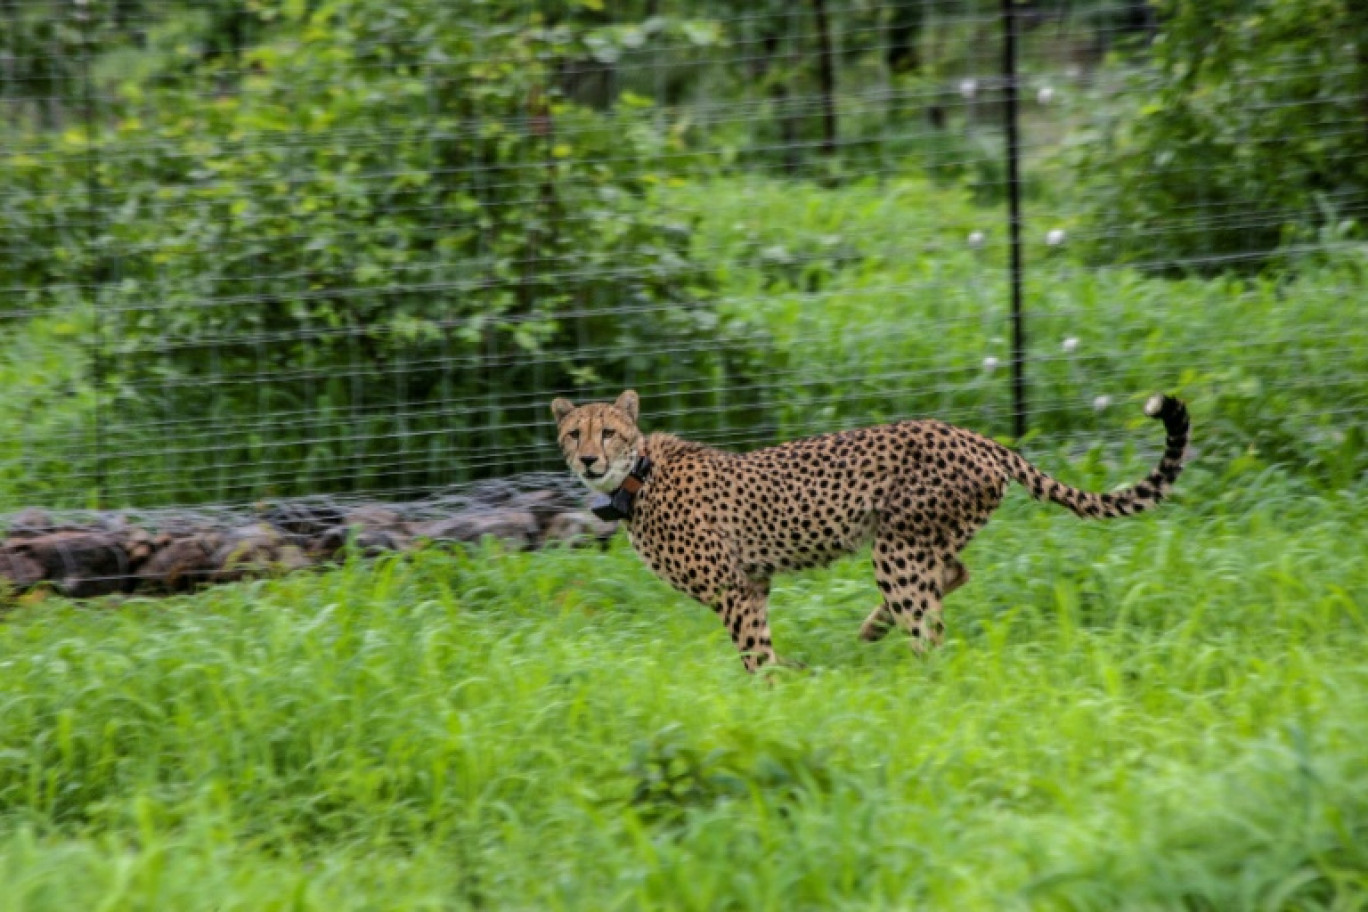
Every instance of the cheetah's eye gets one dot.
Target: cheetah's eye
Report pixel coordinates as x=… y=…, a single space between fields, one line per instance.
x=609 y=433
x=573 y=435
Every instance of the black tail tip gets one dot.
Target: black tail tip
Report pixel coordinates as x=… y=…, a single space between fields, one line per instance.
x=1166 y=408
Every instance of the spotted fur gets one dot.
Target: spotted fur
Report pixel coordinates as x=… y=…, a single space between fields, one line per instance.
x=718 y=525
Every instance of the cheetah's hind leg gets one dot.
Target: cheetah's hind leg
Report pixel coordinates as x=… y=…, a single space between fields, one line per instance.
x=956 y=575
x=880 y=620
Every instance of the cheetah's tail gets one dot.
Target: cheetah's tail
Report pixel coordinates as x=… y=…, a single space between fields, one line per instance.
x=1135 y=499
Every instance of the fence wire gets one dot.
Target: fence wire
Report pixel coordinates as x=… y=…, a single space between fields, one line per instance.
x=255 y=251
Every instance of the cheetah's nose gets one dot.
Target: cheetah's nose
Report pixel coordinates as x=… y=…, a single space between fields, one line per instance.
x=588 y=460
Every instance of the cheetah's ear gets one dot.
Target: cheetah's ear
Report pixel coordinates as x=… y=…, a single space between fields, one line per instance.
x=629 y=404
x=560 y=408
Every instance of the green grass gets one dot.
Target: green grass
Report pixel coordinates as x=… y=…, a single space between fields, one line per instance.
x=1165 y=712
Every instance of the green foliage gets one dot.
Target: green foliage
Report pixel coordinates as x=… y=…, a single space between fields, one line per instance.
x=667 y=776
x=875 y=307
x=46 y=411
x=47 y=46
x=386 y=233
x=855 y=304
x=1250 y=133
x=1163 y=712
x=353 y=246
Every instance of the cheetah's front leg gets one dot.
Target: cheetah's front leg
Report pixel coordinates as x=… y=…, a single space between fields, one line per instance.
x=717 y=580
x=744 y=608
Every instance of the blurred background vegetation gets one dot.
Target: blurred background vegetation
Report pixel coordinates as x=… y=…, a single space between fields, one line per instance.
x=252 y=248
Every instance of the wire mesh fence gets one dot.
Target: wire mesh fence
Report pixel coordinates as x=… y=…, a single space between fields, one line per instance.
x=264 y=250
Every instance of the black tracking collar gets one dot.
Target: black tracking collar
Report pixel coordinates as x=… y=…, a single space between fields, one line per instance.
x=618 y=505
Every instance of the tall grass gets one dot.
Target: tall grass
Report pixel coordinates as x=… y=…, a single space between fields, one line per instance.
x=1165 y=712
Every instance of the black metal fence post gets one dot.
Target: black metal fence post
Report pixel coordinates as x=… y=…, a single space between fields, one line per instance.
x=96 y=275
x=1009 y=85
x=826 y=76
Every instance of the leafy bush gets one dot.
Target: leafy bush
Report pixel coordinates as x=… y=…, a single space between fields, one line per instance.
x=1252 y=133
x=388 y=242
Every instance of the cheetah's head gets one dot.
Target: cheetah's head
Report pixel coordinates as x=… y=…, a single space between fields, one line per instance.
x=600 y=440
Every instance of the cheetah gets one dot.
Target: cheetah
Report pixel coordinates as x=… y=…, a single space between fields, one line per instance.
x=718 y=525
